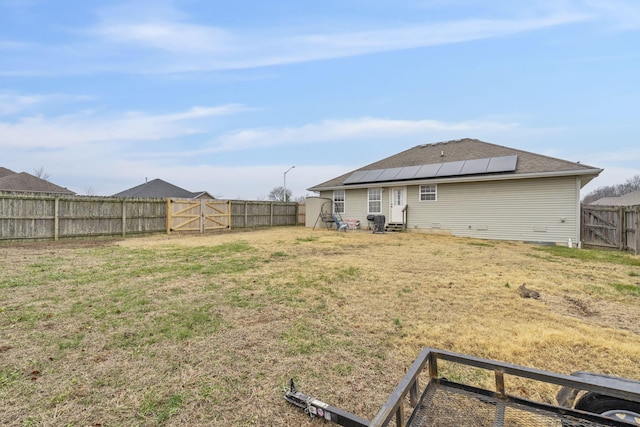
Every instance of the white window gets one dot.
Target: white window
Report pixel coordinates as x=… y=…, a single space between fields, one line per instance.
x=338 y=201
x=375 y=200
x=428 y=192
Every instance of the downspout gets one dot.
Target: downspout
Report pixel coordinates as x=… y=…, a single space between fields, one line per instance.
x=405 y=211
x=578 y=231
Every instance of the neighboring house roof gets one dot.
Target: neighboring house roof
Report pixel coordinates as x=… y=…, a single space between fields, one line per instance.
x=158 y=188
x=453 y=155
x=25 y=183
x=629 y=199
x=202 y=195
x=5 y=172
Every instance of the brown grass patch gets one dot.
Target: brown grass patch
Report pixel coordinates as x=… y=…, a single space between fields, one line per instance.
x=207 y=330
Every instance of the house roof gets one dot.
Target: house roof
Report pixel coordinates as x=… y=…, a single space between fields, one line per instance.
x=442 y=153
x=629 y=199
x=26 y=183
x=5 y=172
x=158 y=188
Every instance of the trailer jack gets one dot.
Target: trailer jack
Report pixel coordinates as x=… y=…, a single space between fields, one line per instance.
x=315 y=408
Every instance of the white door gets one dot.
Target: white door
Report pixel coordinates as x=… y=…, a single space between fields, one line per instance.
x=398 y=203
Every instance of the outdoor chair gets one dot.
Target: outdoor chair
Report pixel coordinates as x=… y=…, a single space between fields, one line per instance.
x=326 y=219
x=340 y=225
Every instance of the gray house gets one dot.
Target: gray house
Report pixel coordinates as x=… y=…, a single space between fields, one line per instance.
x=466 y=188
x=158 y=188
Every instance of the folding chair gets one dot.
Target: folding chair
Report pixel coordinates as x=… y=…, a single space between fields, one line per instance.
x=340 y=225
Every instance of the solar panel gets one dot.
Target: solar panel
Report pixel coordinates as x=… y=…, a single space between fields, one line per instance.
x=428 y=171
x=355 y=177
x=502 y=164
x=372 y=175
x=407 y=172
x=463 y=167
x=388 y=174
x=450 y=168
x=474 y=166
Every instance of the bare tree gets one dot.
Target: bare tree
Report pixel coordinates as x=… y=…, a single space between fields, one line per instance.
x=40 y=173
x=631 y=184
x=278 y=194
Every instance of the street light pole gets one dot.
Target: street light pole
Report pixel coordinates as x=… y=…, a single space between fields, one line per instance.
x=284 y=196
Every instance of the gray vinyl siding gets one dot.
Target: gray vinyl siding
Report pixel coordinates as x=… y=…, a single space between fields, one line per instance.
x=356 y=204
x=538 y=210
x=524 y=210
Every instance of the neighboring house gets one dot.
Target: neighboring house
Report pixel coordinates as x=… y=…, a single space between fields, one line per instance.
x=629 y=199
x=5 y=172
x=11 y=182
x=467 y=188
x=158 y=188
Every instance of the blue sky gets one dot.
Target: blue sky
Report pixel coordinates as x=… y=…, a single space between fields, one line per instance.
x=225 y=96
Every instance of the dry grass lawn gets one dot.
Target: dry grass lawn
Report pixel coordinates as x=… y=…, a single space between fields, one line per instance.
x=207 y=330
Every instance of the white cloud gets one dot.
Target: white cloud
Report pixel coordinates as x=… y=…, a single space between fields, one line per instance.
x=350 y=129
x=197 y=48
x=625 y=14
x=12 y=45
x=88 y=127
x=161 y=39
x=170 y=36
x=11 y=103
x=158 y=39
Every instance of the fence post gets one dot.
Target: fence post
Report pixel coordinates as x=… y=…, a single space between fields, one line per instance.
x=582 y=229
x=246 y=214
x=168 y=215
x=623 y=228
x=56 y=218
x=124 y=218
x=637 y=231
x=271 y=214
x=201 y=215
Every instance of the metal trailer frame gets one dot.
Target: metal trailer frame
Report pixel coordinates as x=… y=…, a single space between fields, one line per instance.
x=394 y=407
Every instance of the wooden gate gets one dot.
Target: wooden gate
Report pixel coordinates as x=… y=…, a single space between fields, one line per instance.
x=199 y=216
x=611 y=227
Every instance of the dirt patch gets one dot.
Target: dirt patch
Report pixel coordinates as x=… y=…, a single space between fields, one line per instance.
x=582 y=308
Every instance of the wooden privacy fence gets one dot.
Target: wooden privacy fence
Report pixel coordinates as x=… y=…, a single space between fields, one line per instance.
x=251 y=214
x=200 y=216
x=46 y=217
x=613 y=227
x=54 y=217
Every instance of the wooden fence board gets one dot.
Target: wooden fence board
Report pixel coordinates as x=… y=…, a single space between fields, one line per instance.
x=632 y=220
